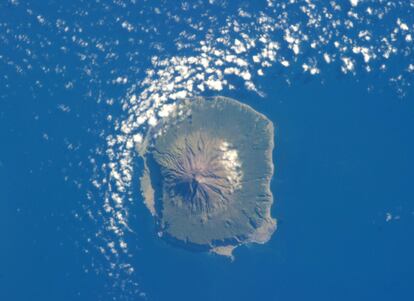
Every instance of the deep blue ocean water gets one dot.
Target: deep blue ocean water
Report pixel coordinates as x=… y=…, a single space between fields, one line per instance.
x=342 y=186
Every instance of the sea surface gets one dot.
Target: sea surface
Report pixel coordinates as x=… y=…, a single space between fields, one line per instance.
x=72 y=222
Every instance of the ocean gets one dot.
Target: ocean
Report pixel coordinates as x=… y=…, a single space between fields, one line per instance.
x=74 y=227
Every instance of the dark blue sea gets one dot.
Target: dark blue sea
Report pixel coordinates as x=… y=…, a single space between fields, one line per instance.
x=344 y=164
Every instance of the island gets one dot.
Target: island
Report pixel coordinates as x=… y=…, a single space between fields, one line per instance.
x=207 y=172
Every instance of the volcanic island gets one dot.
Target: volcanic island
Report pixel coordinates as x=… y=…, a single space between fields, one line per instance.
x=207 y=172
